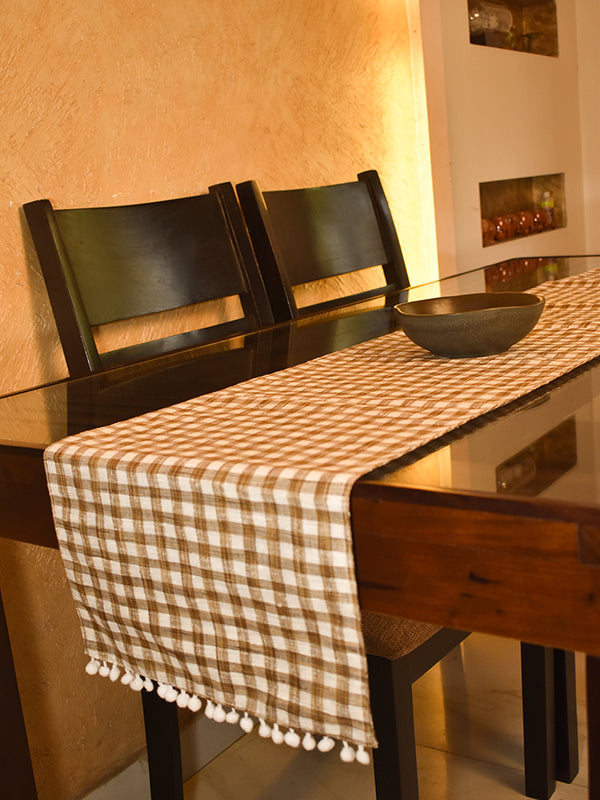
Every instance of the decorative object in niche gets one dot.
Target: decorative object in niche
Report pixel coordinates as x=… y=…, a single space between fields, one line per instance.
x=526 y=25
x=520 y=207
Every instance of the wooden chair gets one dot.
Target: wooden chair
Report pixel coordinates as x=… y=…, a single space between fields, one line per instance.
x=399 y=651
x=116 y=263
x=304 y=235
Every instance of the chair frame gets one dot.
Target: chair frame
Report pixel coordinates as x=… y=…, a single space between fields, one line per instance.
x=550 y=746
x=271 y=260
x=72 y=319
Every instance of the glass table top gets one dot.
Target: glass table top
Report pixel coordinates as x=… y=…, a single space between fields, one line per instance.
x=545 y=445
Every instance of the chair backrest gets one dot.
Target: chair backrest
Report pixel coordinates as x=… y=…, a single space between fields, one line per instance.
x=115 y=263
x=303 y=235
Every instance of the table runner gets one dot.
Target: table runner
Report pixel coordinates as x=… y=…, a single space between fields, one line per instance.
x=208 y=545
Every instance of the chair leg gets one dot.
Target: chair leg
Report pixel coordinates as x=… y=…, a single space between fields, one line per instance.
x=537 y=673
x=565 y=715
x=395 y=760
x=162 y=743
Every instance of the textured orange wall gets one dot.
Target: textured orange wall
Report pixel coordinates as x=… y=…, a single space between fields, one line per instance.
x=107 y=102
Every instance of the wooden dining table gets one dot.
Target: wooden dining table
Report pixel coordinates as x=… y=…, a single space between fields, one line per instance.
x=494 y=527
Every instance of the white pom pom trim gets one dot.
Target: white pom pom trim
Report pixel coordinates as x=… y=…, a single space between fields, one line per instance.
x=309 y=742
x=277 y=735
x=137 y=684
x=92 y=667
x=347 y=754
x=325 y=744
x=126 y=678
x=291 y=738
x=209 y=710
x=183 y=700
x=246 y=723
x=216 y=712
x=171 y=694
x=194 y=703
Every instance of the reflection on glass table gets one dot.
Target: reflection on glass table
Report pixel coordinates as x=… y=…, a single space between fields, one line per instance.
x=547 y=445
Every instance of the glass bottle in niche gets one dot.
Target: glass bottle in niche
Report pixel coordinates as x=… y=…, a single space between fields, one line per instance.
x=547 y=206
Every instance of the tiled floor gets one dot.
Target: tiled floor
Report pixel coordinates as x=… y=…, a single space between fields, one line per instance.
x=468 y=724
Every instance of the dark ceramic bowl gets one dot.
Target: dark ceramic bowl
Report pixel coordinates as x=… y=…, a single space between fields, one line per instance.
x=468 y=325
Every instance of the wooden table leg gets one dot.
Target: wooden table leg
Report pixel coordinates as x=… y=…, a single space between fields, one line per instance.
x=537 y=676
x=592 y=665
x=565 y=715
x=15 y=761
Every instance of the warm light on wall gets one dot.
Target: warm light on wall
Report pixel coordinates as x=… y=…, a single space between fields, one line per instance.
x=408 y=172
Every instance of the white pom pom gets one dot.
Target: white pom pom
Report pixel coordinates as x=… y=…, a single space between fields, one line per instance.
x=163 y=688
x=114 y=673
x=276 y=734
x=291 y=738
x=264 y=730
x=183 y=699
x=220 y=714
x=209 y=711
x=126 y=678
x=194 y=703
x=347 y=753
x=246 y=723
x=171 y=694
x=137 y=684
x=232 y=716
x=148 y=685
x=362 y=756
x=309 y=742
x=325 y=744
x=104 y=670
x=92 y=667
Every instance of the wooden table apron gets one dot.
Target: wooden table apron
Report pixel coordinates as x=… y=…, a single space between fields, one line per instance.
x=524 y=568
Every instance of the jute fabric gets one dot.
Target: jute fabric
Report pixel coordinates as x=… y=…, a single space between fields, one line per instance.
x=208 y=545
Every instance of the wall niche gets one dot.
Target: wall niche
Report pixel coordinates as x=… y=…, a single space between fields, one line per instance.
x=526 y=25
x=520 y=207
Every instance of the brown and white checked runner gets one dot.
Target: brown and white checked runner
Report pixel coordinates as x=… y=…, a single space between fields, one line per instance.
x=208 y=545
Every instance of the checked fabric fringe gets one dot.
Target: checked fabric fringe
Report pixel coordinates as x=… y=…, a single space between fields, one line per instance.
x=219 y=714
x=208 y=545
